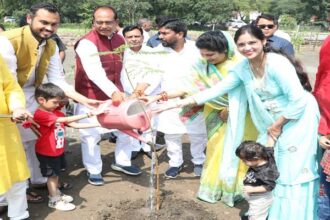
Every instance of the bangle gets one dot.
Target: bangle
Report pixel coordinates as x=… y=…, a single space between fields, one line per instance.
x=138 y=92
x=164 y=96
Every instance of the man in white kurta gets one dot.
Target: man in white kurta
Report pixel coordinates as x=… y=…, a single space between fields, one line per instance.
x=182 y=54
x=140 y=75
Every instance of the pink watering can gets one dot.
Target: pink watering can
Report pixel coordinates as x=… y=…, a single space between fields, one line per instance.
x=129 y=115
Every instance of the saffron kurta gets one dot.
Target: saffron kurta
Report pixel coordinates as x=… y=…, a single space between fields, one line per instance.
x=13 y=163
x=279 y=93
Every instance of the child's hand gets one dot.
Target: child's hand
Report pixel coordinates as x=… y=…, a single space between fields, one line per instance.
x=248 y=189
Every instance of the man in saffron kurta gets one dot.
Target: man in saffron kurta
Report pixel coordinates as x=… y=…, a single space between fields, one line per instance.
x=98 y=77
x=31 y=57
x=14 y=170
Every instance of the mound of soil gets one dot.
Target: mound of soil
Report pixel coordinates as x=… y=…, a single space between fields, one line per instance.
x=171 y=208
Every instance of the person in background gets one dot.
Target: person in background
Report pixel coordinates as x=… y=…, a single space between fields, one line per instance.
x=14 y=169
x=260 y=179
x=269 y=24
x=321 y=93
x=2 y=28
x=146 y=26
x=61 y=46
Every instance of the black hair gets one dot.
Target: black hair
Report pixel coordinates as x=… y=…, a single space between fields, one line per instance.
x=213 y=41
x=267 y=17
x=175 y=25
x=130 y=28
x=43 y=5
x=251 y=150
x=105 y=7
x=49 y=91
x=160 y=18
x=257 y=33
x=2 y=27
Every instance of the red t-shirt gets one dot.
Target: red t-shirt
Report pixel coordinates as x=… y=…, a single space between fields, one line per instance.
x=47 y=143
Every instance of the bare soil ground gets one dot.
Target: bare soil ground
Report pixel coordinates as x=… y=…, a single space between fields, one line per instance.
x=125 y=197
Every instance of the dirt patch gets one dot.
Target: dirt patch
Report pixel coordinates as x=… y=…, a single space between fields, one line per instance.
x=172 y=208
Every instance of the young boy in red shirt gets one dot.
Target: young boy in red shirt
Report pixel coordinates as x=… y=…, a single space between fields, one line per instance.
x=50 y=144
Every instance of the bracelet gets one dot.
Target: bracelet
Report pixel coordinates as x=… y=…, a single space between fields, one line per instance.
x=164 y=96
x=138 y=92
x=88 y=115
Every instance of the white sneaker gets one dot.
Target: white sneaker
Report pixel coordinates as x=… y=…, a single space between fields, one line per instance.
x=61 y=205
x=66 y=198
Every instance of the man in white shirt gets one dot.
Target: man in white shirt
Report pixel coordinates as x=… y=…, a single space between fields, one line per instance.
x=182 y=54
x=140 y=75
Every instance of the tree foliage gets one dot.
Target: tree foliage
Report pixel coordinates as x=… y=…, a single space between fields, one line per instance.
x=204 y=11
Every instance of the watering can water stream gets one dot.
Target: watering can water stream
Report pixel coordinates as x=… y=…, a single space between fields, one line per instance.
x=128 y=116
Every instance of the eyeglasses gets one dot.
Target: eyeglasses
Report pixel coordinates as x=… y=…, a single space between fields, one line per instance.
x=268 y=26
x=107 y=23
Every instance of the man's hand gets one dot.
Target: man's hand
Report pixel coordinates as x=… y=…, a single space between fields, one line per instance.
x=20 y=115
x=117 y=97
x=92 y=103
x=324 y=142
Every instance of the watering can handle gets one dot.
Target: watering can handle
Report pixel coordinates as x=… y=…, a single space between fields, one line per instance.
x=146 y=122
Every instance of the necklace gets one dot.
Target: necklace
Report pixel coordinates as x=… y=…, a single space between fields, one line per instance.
x=258 y=71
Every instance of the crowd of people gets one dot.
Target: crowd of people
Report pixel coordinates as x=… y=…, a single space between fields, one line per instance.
x=253 y=122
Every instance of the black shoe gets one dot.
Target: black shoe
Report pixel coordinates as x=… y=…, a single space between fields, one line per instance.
x=112 y=137
x=160 y=140
x=134 y=155
x=129 y=170
x=148 y=153
x=3 y=209
x=173 y=172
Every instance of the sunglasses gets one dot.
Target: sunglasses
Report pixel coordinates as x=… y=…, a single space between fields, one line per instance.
x=268 y=26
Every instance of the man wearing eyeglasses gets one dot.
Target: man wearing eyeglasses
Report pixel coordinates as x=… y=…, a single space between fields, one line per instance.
x=269 y=25
x=97 y=76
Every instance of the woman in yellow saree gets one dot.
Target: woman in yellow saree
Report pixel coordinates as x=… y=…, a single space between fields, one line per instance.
x=223 y=172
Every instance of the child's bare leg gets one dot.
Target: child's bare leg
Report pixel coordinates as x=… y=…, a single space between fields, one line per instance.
x=52 y=185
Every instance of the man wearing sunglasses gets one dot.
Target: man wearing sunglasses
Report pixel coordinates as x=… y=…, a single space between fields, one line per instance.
x=269 y=25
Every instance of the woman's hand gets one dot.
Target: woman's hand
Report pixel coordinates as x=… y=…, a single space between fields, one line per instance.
x=149 y=99
x=176 y=104
x=274 y=131
x=223 y=114
x=324 y=142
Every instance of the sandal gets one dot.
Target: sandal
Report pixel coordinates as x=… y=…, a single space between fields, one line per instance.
x=33 y=197
x=65 y=186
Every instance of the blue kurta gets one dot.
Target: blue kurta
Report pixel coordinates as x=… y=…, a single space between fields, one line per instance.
x=280 y=93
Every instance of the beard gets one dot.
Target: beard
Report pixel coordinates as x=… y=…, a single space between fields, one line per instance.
x=168 y=44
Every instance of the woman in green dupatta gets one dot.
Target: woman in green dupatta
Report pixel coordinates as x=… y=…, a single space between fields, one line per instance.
x=223 y=174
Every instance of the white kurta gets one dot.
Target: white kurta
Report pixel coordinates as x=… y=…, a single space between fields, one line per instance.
x=177 y=66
